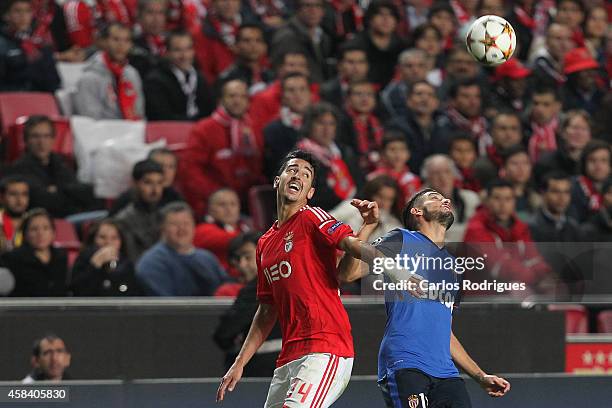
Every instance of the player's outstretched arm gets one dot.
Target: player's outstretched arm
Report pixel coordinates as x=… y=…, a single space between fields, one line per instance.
x=350 y=268
x=494 y=385
x=262 y=325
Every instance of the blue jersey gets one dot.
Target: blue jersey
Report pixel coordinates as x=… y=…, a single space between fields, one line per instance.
x=418 y=331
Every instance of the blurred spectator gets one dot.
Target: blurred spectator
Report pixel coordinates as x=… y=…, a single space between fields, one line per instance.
x=150 y=40
x=40 y=270
x=423 y=126
x=439 y=172
x=602 y=120
x=365 y=131
x=342 y=19
x=50 y=360
x=385 y=192
x=547 y=61
x=140 y=219
x=304 y=33
x=53 y=185
x=223 y=150
x=173 y=267
x=272 y=14
x=581 y=91
x=412 y=65
x=574 y=134
x=506 y=132
x=250 y=49
x=15 y=200
x=220 y=226
x=464 y=10
x=543 y=121
x=186 y=14
x=235 y=323
x=496 y=231
x=490 y=7
x=175 y=90
x=528 y=17
x=587 y=187
x=413 y=13
x=110 y=88
x=460 y=67
x=380 y=41
x=214 y=43
x=510 y=90
x=395 y=153
x=464 y=152
x=571 y=13
x=102 y=267
x=599 y=227
x=82 y=19
x=595 y=27
x=427 y=38
x=352 y=66
x=464 y=112
x=169 y=162
x=339 y=176
x=517 y=169
x=281 y=135
x=26 y=59
x=442 y=16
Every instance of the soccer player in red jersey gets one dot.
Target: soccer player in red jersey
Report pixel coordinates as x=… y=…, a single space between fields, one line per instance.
x=298 y=284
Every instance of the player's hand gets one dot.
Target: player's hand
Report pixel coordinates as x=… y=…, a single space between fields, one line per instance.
x=229 y=381
x=495 y=386
x=368 y=209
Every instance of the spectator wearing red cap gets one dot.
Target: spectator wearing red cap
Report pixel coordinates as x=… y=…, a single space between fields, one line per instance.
x=510 y=92
x=581 y=91
x=547 y=61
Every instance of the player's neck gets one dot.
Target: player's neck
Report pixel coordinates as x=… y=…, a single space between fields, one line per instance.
x=435 y=232
x=286 y=210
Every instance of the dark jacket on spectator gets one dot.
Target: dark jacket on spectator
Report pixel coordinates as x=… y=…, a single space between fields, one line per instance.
x=580 y=208
x=140 y=226
x=142 y=57
x=559 y=160
x=17 y=73
x=574 y=99
x=34 y=278
x=382 y=62
x=294 y=36
x=332 y=92
x=241 y=71
x=71 y=196
x=279 y=139
x=165 y=99
x=87 y=280
x=393 y=98
x=127 y=197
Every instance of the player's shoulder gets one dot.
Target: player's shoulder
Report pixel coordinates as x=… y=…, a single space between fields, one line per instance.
x=394 y=236
x=316 y=215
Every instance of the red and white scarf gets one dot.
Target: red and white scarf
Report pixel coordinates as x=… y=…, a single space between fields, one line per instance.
x=463 y=16
x=125 y=91
x=369 y=138
x=339 y=178
x=114 y=10
x=227 y=30
x=267 y=8
x=290 y=118
x=543 y=138
x=340 y=9
x=242 y=139
x=157 y=44
x=589 y=190
x=476 y=126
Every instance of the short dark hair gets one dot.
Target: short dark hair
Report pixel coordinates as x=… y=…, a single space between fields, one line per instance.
x=95 y=227
x=393 y=135
x=375 y=7
x=173 y=208
x=547 y=89
x=415 y=201
x=38 y=342
x=498 y=183
x=462 y=137
x=513 y=151
x=278 y=58
x=453 y=91
x=505 y=112
x=314 y=112
x=160 y=150
x=142 y=4
x=349 y=46
x=220 y=190
x=438 y=7
x=373 y=186
x=12 y=179
x=9 y=3
x=413 y=85
x=176 y=34
x=106 y=29
x=589 y=149
x=579 y=3
x=359 y=82
x=553 y=175
x=422 y=29
x=34 y=121
x=239 y=241
x=249 y=26
x=144 y=167
x=30 y=215
x=302 y=155
x=293 y=75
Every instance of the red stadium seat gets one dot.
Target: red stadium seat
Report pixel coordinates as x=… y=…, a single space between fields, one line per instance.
x=175 y=133
x=576 y=318
x=16 y=104
x=65 y=235
x=604 y=321
x=262 y=205
x=64 y=143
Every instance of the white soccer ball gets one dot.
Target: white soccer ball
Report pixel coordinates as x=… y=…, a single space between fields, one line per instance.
x=491 y=40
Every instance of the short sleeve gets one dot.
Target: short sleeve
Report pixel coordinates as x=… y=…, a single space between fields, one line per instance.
x=264 y=291
x=327 y=229
x=391 y=243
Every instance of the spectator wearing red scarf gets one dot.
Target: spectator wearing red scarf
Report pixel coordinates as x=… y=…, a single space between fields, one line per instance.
x=150 y=42
x=529 y=19
x=365 y=137
x=26 y=57
x=464 y=152
x=443 y=17
x=543 y=121
x=586 y=188
x=547 y=61
x=572 y=13
x=110 y=88
x=342 y=19
x=352 y=66
x=215 y=41
x=339 y=176
x=223 y=150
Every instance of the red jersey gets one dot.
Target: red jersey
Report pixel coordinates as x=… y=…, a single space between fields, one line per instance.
x=296 y=271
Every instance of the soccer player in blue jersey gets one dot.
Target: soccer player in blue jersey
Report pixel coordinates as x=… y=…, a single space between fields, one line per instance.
x=419 y=352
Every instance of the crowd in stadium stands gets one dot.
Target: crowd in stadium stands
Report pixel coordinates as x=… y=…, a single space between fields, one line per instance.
x=382 y=92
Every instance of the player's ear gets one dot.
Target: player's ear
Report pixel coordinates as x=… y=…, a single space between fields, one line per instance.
x=276 y=181
x=416 y=211
x=310 y=193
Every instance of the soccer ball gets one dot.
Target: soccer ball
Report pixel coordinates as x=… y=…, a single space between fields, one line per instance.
x=491 y=40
